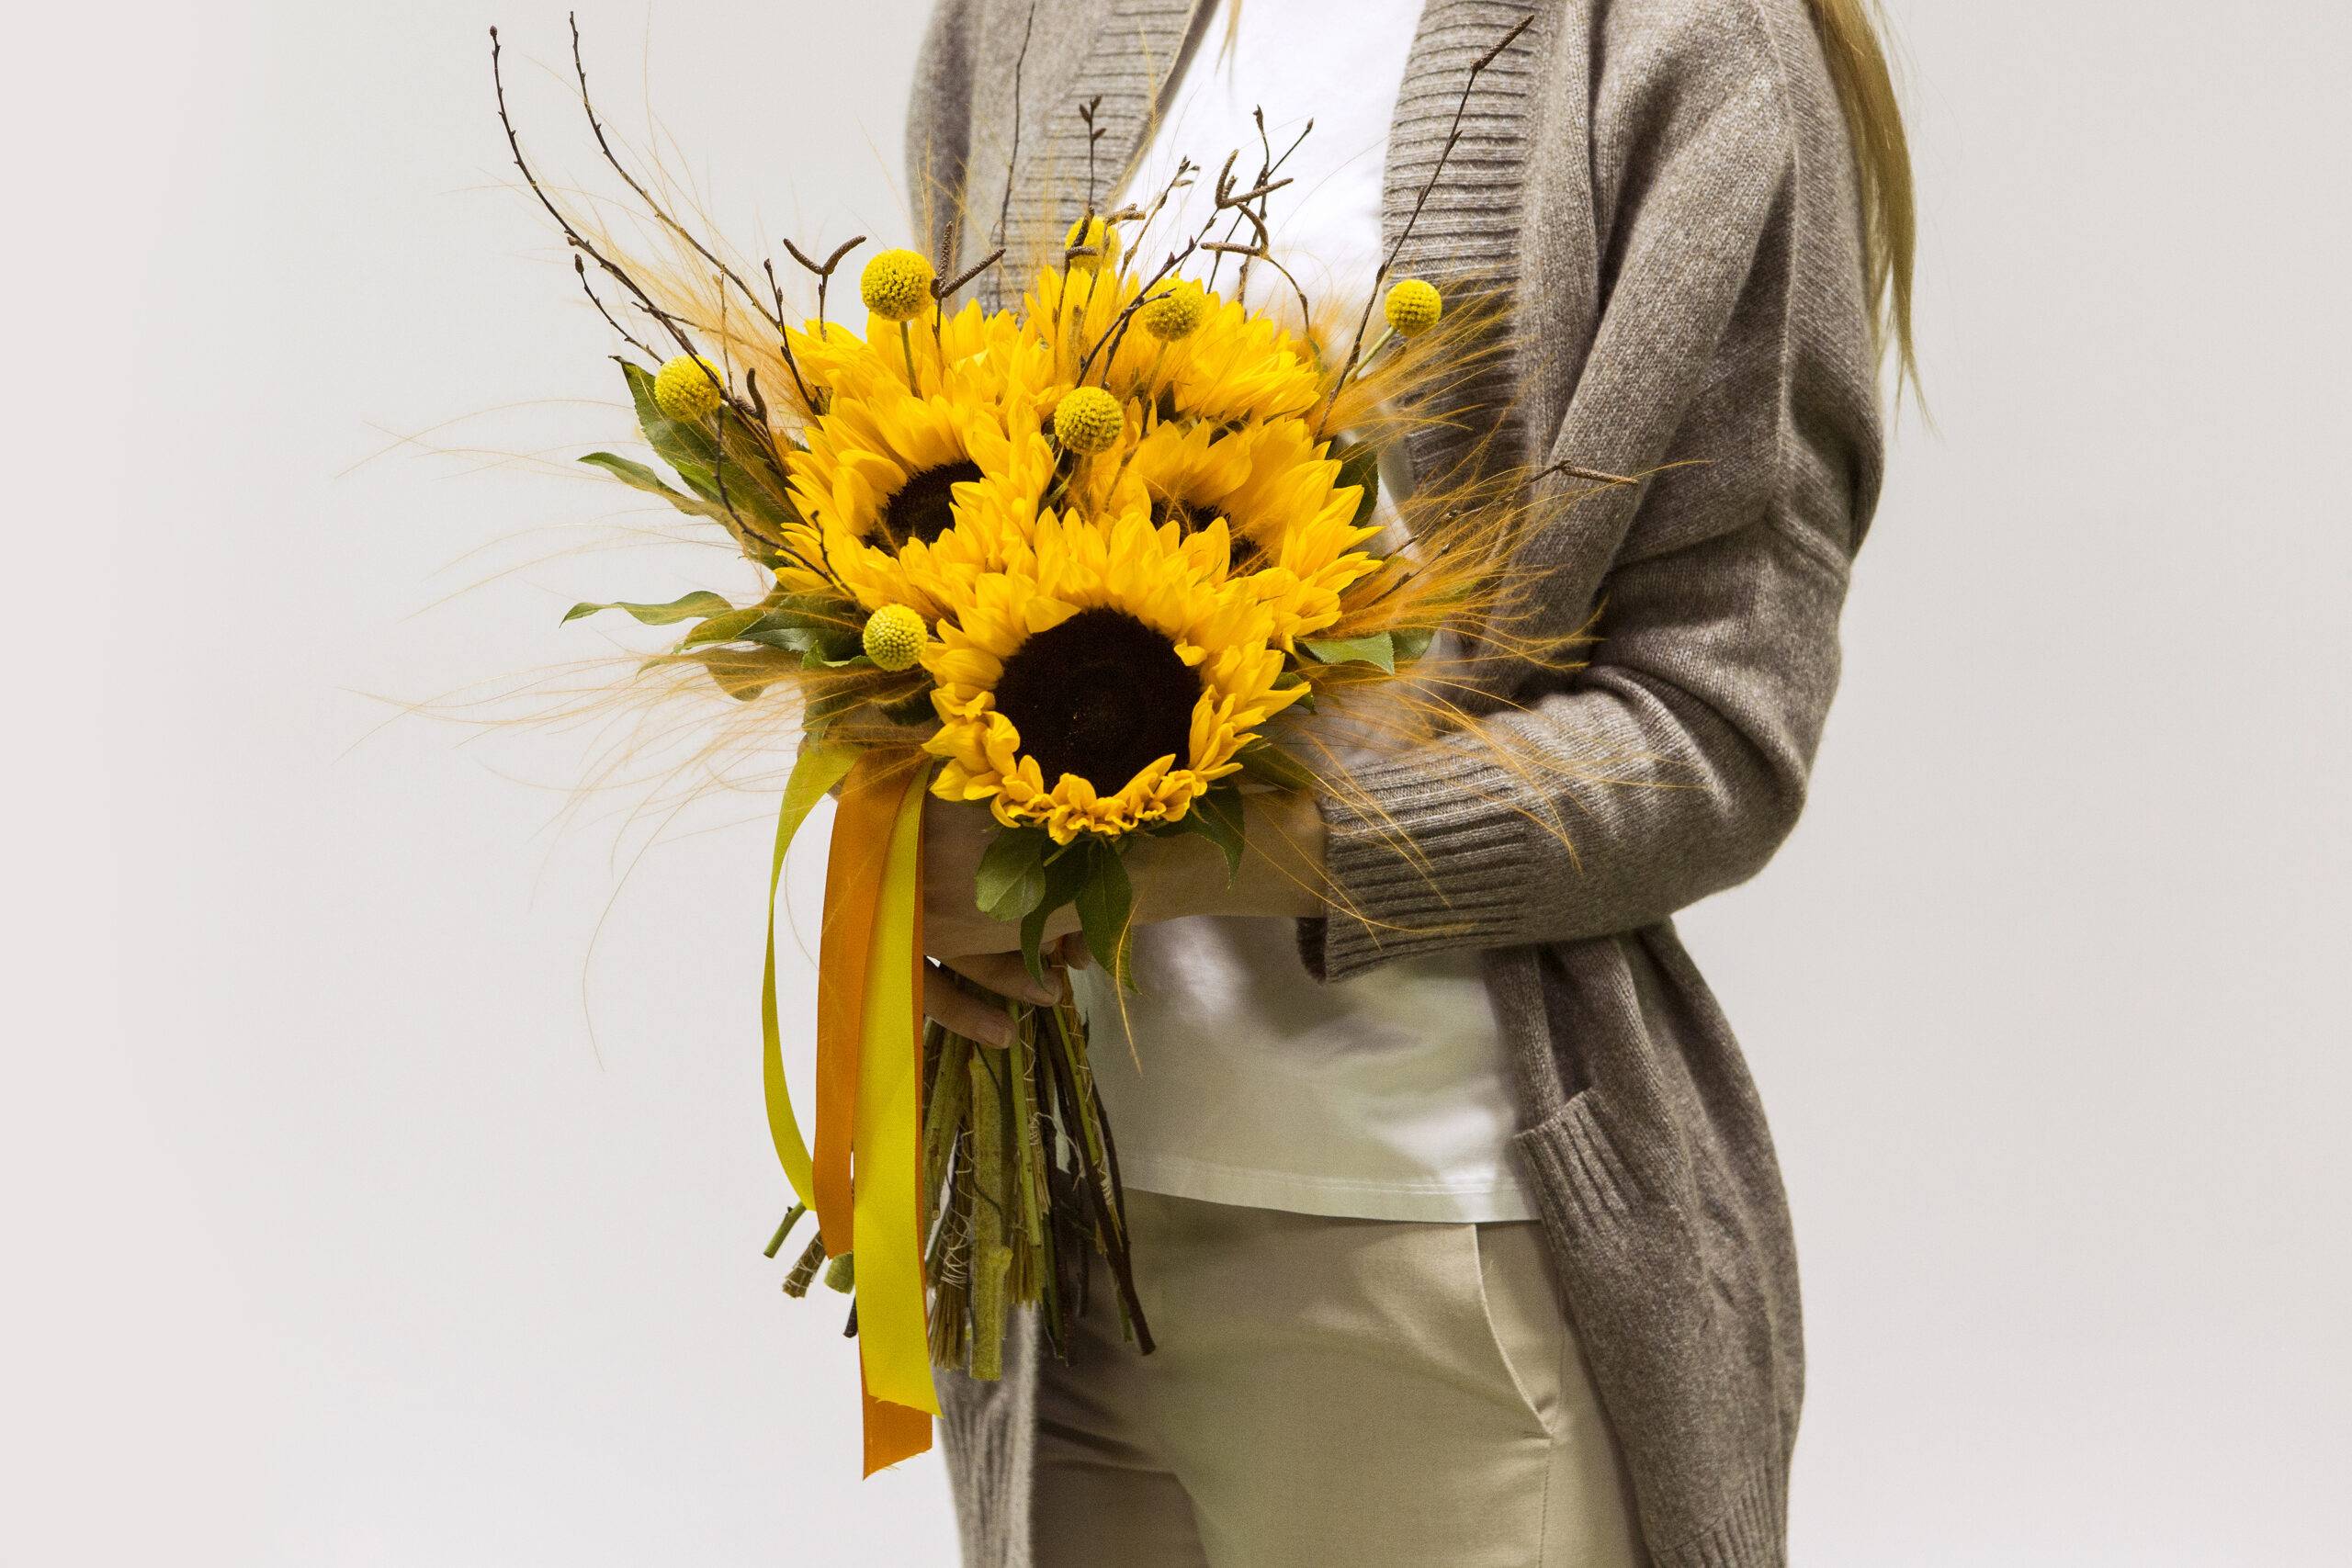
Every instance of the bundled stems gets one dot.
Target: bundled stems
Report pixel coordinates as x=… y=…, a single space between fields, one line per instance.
x=1021 y=1184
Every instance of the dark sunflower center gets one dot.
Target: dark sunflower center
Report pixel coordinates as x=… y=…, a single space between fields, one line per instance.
x=920 y=508
x=1191 y=520
x=1102 y=695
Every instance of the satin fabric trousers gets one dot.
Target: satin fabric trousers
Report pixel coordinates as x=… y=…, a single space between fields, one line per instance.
x=1381 y=1394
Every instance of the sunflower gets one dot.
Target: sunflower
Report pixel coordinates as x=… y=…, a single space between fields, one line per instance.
x=1292 y=523
x=886 y=480
x=1104 y=680
x=972 y=355
x=1236 y=366
x=1230 y=368
x=1296 y=530
x=1183 y=474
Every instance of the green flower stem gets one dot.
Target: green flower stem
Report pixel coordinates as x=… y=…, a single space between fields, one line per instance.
x=791 y=1218
x=951 y=1096
x=990 y=1256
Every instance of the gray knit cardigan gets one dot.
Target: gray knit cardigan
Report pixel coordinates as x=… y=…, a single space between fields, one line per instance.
x=1667 y=189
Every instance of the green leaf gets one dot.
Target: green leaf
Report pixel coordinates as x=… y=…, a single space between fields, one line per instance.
x=782 y=609
x=816 y=628
x=1290 y=680
x=913 y=712
x=1262 y=758
x=741 y=674
x=1360 y=465
x=820 y=657
x=1411 y=642
x=637 y=476
x=1011 y=874
x=724 y=628
x=683 y=446
x=692 y=606
x=1217 y=817
x=1064 y=875
x=1106 y=901
x=1379 y=649
x=693 y=451
x=823 y=708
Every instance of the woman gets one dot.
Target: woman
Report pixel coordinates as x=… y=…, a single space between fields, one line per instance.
x=1456 y=1215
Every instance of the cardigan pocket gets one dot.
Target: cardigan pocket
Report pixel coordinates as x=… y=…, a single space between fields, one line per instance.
x=1652 y=1294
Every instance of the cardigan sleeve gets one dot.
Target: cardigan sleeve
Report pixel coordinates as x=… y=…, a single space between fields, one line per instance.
x=1730 y=331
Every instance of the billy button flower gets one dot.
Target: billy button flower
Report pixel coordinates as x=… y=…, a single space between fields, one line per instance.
x=686 y=388
x=894 y=639
x=1096 y=243
x=1089 y=420
x=896 y=286
x=1176 y=313
x=1413 y=307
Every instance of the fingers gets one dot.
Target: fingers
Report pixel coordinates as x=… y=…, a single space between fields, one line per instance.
x=1070 y=952
x=1007 y=976
x=980 y=1013
x=965 y=1012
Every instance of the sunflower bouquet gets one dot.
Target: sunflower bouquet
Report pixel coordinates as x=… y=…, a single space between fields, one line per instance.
x=1089 y=559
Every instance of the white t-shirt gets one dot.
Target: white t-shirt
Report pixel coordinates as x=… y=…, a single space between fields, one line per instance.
x=1236 y=1076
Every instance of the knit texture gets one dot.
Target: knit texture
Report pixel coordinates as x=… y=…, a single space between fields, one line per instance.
x=1659 y=194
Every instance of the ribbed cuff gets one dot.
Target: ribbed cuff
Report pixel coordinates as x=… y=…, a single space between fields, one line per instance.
x=1752 y=1533
x=1424 y=854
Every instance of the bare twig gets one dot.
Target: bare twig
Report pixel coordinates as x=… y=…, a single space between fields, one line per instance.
x=784 y=344
x=940 y=292
x=588 y=107
x=1012 y=160
x=581 y=244
x=1264 y=252
x=824 y=269
x=1454 y=135
x=1094 y=133
x=1226 y=199
x=580 y=270
x=1267 y=169
x=1145 y=217
x=571 y=235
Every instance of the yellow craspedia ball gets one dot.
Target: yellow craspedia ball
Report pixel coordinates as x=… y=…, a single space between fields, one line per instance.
x=686 y=388
x=1089 y=420
x=1098 y=237
x=896 y=284
x=1414 y=307
x=1177 y=313
x=894 y=637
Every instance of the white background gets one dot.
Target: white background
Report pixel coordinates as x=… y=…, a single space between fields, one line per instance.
x=364 y=1204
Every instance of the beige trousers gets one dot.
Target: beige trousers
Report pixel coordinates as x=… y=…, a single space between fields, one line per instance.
x=1373 y=1392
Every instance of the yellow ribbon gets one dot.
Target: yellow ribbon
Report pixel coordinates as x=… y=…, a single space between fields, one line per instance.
x=865 y=1181
x=893 y=1336
x=818 y=770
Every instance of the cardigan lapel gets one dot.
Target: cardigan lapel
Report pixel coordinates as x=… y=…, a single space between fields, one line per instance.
x=1469 y=236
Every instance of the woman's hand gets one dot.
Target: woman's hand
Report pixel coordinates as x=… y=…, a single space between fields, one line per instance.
x=968 y=995
x=955 y=837
x=979 y=959
x=1173 y=875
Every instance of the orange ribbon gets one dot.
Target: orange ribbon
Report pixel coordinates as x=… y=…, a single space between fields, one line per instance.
x=862 y=822
x=872 y=881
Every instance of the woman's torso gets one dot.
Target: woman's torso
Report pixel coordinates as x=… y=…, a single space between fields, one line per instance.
x=1230 y=1073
